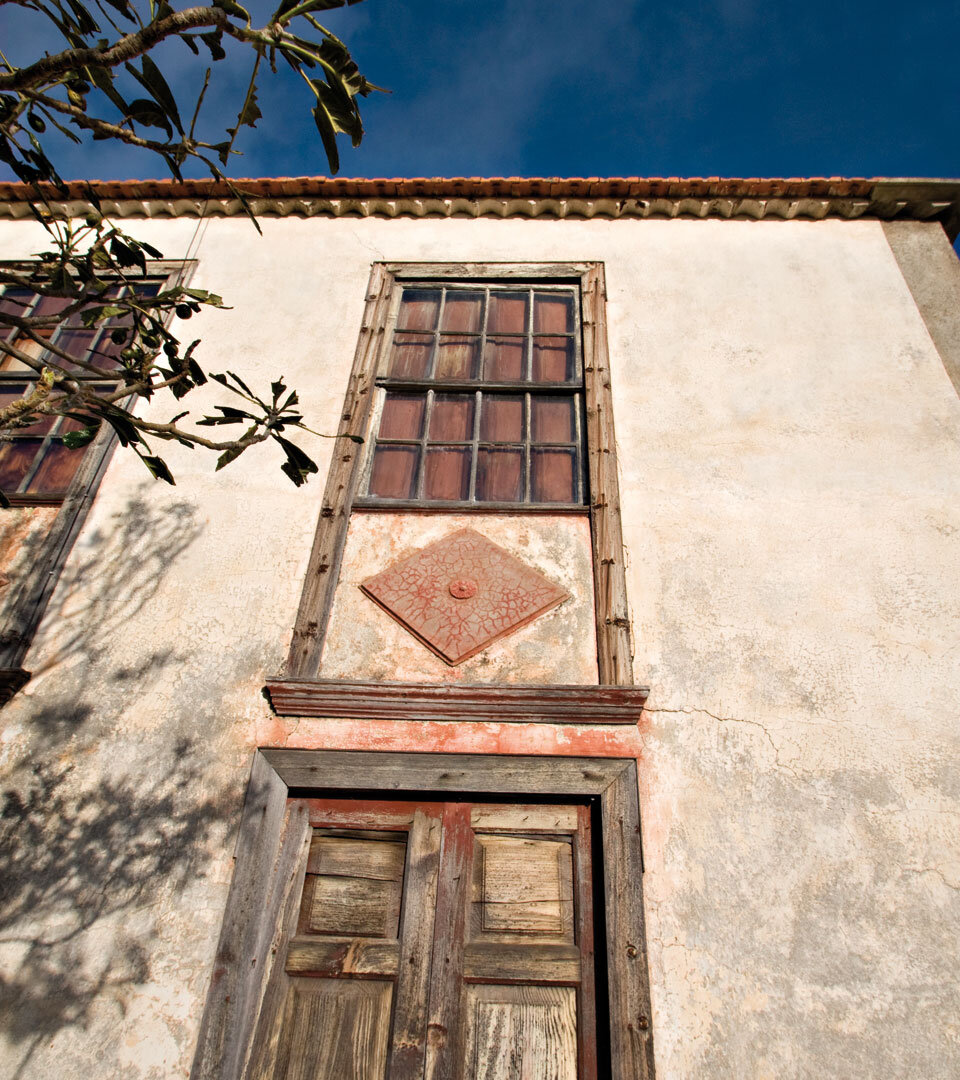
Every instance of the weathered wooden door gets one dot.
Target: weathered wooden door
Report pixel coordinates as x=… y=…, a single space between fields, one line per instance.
x=446 y=941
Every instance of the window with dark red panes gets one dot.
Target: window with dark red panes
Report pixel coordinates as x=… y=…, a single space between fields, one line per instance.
x=34 y=463
x=480 y=399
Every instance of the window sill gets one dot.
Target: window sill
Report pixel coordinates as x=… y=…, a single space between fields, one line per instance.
x=426 y=701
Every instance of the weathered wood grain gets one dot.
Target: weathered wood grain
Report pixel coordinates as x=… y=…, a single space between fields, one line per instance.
x=502 y=962
x=270 y=861
x=356 y=906
x=323 y=569
x=444 y=1056
x=614 y=647
x=630 y=1041
x=522 y=271
x=529 y=818
x=522 y=885
x=420 y=701
x=344 y=856
x=521 y=1033
x=332 y=956
x=334 y=1029
x=444 y=773
x=409 y=1039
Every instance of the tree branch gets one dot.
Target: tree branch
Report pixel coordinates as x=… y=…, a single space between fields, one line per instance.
x=52 y=68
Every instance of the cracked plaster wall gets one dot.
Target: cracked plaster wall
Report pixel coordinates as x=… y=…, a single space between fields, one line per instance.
x=790 y=458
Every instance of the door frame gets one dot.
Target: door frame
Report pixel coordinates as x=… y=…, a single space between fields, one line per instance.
x=268 y=849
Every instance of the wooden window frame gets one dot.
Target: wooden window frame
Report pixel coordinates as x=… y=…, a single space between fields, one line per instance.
x=614 y=647
x=34 y=591
x=481 y=387
x=270 y=842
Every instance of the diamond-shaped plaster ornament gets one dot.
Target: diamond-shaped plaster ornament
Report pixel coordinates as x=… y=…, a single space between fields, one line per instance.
x=462 y=593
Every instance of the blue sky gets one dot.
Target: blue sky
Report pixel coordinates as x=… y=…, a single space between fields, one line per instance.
x=556 y=87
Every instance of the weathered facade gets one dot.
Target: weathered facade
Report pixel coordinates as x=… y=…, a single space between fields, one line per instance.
x=763 y=377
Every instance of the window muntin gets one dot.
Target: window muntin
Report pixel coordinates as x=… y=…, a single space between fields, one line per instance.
x=34 y=463
x=481 y=400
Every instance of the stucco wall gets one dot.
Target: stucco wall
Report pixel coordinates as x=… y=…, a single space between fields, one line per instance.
x=560 y=646
x=790 y=457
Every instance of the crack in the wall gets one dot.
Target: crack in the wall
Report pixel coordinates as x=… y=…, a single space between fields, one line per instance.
x=690 y=710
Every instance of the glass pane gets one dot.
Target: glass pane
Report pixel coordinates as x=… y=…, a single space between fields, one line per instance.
x=16 y=457
x=552 y=359
x=503 y=359
x=402 y=416
x=452 y=418
x=418 y=309
x=394 y=473
x=500 y=476
x=501 y=419
x=457 y=358
x=25 y=345
x=552 y=419
x=76 y=342
x=411 y=356
x=463 y=312
x=14 y=302
x=107 y=352
x=508 y=313
x=552 y=313
x=447 y=473
x=552 y=476
x=50 y=305
x=56 y=470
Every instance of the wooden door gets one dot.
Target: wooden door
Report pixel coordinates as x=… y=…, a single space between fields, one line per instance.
x=447 y=941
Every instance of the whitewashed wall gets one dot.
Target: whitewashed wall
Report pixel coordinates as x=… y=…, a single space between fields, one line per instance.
x=790 y=458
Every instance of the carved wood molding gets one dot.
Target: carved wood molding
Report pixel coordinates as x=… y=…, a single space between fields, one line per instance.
x=425 y=701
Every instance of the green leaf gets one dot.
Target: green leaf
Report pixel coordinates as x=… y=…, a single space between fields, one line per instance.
x=35 y=120
x=152 y=80
x=297 y=460
x=212 y=42
x=126 y=256
x=149 y=114
x=293 y=8
x=187 y=39
x=229 y=455
x=123 y=7
x=158 y=467
x=232 y=8
x=102 y=79
x=74 y=440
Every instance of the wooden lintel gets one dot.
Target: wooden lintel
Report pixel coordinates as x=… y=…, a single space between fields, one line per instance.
x=423 y=701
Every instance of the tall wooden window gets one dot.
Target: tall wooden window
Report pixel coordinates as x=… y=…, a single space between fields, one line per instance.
x=489 y=386
x=37 y=469
x=481 y=399
x=35 y=465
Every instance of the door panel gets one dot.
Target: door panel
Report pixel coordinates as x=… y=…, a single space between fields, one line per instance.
x=521 y=1033
x=449 y=941
x=334 y=1029
x=513 y=995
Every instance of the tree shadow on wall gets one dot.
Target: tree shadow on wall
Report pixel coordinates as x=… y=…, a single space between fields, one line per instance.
x=108 y=582
x=82 y=867
x=99 y=832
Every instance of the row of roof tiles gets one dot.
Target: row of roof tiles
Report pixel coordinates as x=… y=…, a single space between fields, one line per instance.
x=627 y=187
